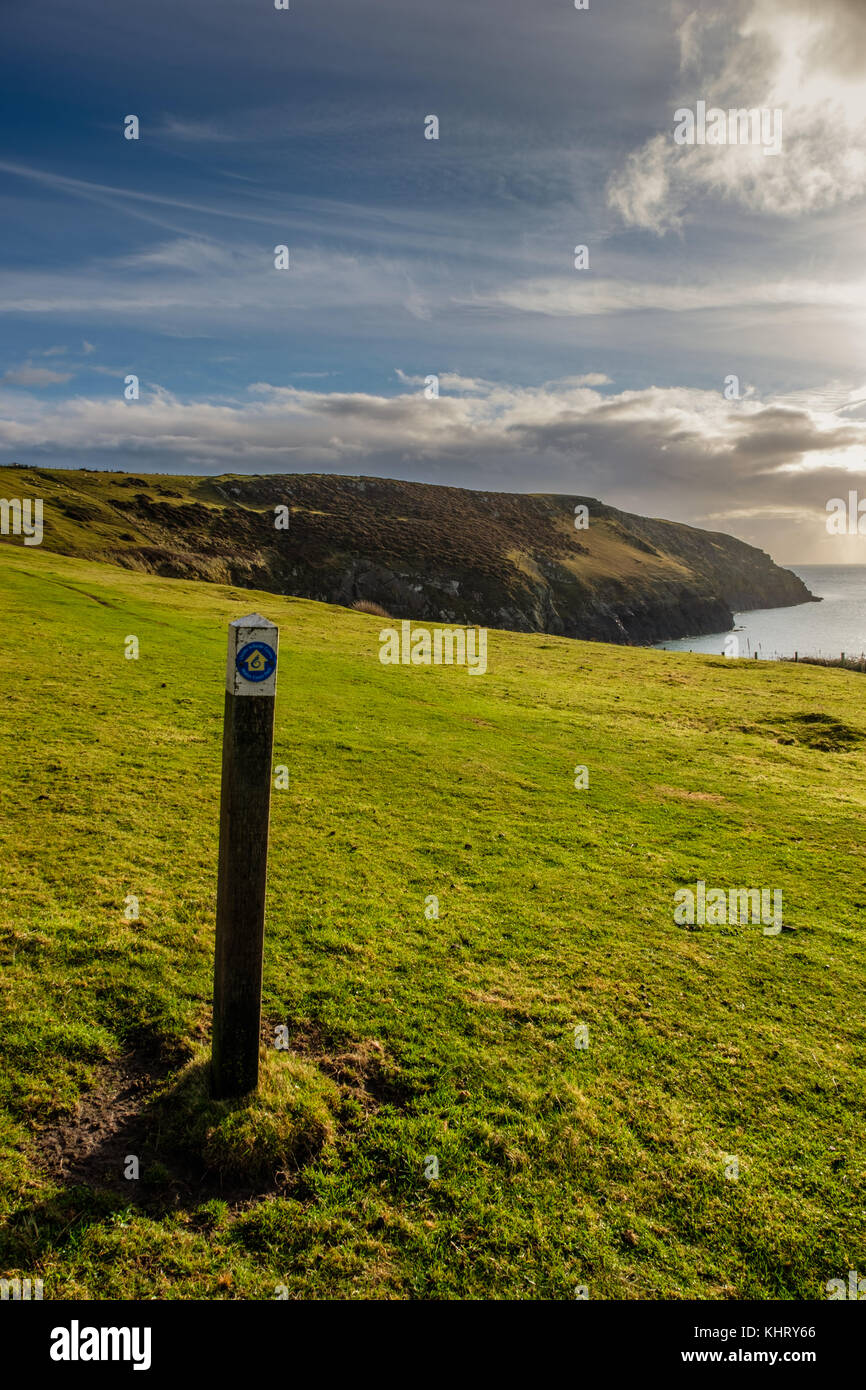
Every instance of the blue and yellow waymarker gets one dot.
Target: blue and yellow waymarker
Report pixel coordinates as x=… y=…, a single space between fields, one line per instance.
x=256 y=661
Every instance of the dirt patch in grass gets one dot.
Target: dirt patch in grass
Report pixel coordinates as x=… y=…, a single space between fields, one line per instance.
x=189 y=1148
x=90 y=1146
x=143 y=1108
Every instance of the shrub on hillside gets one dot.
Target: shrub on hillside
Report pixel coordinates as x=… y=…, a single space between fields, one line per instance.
x=365 y=605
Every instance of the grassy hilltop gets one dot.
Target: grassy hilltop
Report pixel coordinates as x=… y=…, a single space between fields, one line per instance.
x=410 y=1037
x=422 y=551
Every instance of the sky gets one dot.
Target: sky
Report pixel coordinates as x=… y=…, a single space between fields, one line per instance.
x=453 y=257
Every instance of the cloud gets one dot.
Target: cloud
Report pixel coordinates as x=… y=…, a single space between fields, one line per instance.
x=28 y=375
x=212 y=283
x=113 y=194
x=194 y=131
x=656 y=450
x=555 y=297
x=790 y=55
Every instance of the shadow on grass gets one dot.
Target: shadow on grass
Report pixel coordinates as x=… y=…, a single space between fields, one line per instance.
x=157 y=1141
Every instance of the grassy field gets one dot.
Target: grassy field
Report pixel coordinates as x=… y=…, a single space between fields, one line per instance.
x=559 y=1167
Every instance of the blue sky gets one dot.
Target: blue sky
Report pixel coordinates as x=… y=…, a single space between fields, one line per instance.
x=453 y=256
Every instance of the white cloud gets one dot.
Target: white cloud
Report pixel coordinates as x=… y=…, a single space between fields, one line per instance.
x=560 y=298
x=660 y=452
x=775 y=54
x=566 y=435
x=28 y=375
x=194 y=132
x=210 y=283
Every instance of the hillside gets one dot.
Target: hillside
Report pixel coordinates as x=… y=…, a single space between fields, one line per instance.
x=607 y=1167
x=499 y=559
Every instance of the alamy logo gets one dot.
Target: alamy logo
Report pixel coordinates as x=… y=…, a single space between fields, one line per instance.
x=734 y=127
x=856 y=1287
x=734 y=906
x=75 y=1343
x=21 y=1289
x=21 y=518
x=451 y=646
x=846 y=519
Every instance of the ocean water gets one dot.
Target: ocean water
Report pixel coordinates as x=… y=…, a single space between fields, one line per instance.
x=836 y=625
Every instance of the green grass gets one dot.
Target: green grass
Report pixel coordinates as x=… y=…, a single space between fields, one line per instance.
x=558 y=1167
x=288 y=1120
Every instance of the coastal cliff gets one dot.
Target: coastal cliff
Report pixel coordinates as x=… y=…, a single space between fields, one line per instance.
x=418 y=550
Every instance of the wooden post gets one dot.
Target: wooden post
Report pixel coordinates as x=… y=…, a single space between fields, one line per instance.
x=248 y=738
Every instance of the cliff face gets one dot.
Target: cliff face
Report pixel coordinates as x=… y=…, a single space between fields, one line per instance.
x=420 y=551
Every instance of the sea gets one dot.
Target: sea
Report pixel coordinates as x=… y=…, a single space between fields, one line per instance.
x=829 y=628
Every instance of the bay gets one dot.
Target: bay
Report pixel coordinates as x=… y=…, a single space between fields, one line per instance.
x=836 y=625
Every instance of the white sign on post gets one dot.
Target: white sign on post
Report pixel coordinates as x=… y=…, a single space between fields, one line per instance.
x=251 y=668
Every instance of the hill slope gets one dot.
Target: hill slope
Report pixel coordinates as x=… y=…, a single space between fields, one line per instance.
x=607 y=1166
x=499 y=559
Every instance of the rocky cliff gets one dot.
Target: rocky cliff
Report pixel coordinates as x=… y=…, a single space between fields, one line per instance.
x=420 y=551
